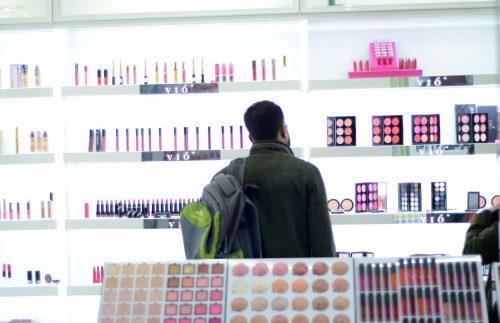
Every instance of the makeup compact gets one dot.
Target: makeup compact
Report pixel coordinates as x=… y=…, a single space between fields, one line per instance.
x=438 y=195
x=472 y=201
x=472 y=128
x=371 y=197
x=387 y=130
x=410 y=197
x=334 y=206
x=425 y=129
x=290 y=290
x=341 y=131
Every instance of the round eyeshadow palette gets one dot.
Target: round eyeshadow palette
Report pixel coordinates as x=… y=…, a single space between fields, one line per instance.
x=291 y=289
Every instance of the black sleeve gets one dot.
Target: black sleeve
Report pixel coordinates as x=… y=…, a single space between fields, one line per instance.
x=482 y=236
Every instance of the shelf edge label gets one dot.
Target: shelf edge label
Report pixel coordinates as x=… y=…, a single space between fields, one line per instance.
x=189 y=155
x=183 y=88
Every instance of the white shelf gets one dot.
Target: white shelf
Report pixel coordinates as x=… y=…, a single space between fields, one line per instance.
x=100 y=90
x=117 y=223
x=15 y=291
x=388 y=151
x=17 y=225
x=380 y=6
x=26 y=93
x=350 y=219
x=42 y=158
x=398 y=218
x=106 y=157
x=259 y=86
x=84 y=290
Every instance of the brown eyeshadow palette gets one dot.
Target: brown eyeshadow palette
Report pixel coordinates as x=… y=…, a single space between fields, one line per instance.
x=472 y=128
x=387 y=130
x=425 y=129
x=420 y=289
x=290 y=290
x=341 y=131
x=180 y=292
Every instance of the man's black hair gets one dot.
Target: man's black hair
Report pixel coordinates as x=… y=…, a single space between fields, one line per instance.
x=263 y=120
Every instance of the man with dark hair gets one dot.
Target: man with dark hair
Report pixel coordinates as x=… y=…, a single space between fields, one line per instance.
x=289 y=192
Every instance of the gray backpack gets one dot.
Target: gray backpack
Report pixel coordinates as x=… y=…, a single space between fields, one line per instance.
x=224 y=223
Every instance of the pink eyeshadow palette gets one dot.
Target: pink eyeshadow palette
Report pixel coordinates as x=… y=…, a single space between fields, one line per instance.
x=425 y=129
x=290 y=290
x=191 y=291
x=387 y=130
x=341 y=131
x=419 y=289
x=371 y=197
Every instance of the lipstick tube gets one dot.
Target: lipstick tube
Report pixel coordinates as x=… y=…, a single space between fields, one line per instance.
x=135 y=74
x=127 y=74
x=121 y=74
x=136 y=139
x=117 y=139
x=202 y=72
x=142 y=139
x=127 y=139
x=103 y=140
x=18 y=211
x=273 y=69
x=86 y=72
x=149 y=139
x=11 y=212
x=231 y=72
x=28 y=209
x=157 y=74
x=91 y=140
x=241 y=137
x=165 y=76
x=98 y=77
x=175 y=138
x=197 y=138
x=176 y=76
x=183 y=72
x=76 y=74
x=254 y=70
x=113 y=79
x=222 y=137
x=49 y=209
x=231 y=136
x=209 y=139
x=42 y=209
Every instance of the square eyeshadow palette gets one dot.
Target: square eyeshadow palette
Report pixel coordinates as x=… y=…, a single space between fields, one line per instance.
x=410 y=197
x=472 y=128
x=371 y=197
x=420 y=289
x=425 y=129
x=341 y=131
x=387 y=130
x=164 y=292
x=290 y=290
x=438 y=196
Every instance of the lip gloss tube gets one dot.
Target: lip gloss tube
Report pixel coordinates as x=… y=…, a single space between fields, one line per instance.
x=186 y=140
x=231 y=72
x=254 y=70
x=127 y=139
x=157 y=74
x=105 y=76
x=127 y=74
x=142 y=139
x=18 y=211
x=43 y=209
x=121 y=74
x=224 y=76
x=103 y=144
x=113 y=79
x=175 y=138
x=159 y=140
x=98 y=77
x=197 y=138
x=222 y=136
x=145 y=73
x=217 y=77
x=183 y=72
x=76 y=74
x=136 y=139
x=11 y=212
x=176 y=79
x=202 y=72
x=86 y=70
x=135 y=74
x=49 y=209
x=28 y=209
x=263 y=63
x=241 y=137
x=273 y=69
x=91 y=140
x=117 y=137
x=231 y=136
x=149 y=139
x=209 y=139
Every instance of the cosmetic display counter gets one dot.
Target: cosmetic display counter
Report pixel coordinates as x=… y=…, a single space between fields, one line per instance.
x=307 y=48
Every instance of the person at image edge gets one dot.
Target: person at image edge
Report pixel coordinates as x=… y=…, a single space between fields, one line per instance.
x=289 y=192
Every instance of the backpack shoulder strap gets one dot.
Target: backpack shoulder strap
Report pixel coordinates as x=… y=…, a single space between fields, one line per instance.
x=237 y=169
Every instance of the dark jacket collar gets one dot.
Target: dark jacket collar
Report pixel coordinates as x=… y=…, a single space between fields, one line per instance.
x=268 y=146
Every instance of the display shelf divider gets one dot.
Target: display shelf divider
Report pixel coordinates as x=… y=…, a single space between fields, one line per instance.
x=21 y=159
x=99 y=90
x=103 y=157
x=21 y=291
x=15 y=225
x=26 y=93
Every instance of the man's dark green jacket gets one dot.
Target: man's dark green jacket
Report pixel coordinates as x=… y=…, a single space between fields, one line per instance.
x=482 y=236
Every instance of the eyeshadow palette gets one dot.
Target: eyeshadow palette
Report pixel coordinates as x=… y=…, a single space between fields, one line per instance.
x=387 y=130
x=472 y=128
x=290 y=290
x=410 y=197
x=438 y=195
x=341 y=131
x=371 y=197
x=420 y=289
x=184 y=292
x=425 y=129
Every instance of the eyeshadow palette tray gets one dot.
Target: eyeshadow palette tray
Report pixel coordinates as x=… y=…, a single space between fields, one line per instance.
x=339 y=290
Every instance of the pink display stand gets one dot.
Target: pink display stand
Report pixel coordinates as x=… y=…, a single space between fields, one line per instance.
x=384 y=63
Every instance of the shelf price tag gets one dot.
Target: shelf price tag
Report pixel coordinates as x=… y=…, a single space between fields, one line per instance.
x=191 y=155
x=183 y=88
x=438 y=218
x=439 y=81
x=437 y=150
